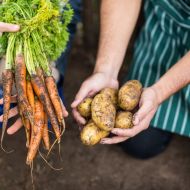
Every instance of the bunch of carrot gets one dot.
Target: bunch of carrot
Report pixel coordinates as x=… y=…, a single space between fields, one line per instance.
x=42 y=38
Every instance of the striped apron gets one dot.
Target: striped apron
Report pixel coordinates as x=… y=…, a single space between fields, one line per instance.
x=164 y=39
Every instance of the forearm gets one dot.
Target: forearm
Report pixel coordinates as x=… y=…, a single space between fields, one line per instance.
x=118 y=19
x=175 y=79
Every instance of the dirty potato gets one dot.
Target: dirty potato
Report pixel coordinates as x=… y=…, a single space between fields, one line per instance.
x=111 y=93
x=84 y=108
x=91 y=134
x=103 y=112
x=129 y=95
x=124 y=120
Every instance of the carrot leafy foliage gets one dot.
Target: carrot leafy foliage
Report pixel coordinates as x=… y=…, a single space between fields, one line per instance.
x=43 y=35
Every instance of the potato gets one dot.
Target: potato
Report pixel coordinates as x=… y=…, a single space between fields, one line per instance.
x=84 y=107
x=111 y=93
x=124 y=120
x=103 y=112
x=129 y=95
x=91 y=134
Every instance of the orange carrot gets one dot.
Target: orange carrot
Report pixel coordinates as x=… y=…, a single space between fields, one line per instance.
x=54 y=96
x=20 y=80
x=30 y=94
x=25 y=122
x=41 y=92
x=37 y=133
x=7 y=77
x=46 y=134
x=28 y=131
x=40 y=73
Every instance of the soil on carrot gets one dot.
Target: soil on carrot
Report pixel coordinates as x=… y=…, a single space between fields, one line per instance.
x=101 y=167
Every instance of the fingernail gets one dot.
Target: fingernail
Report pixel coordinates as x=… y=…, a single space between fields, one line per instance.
x=16 y=27
x=73 y=105
x=83 y=122
x=9 y=132
x=114 y=131
x=102 y=141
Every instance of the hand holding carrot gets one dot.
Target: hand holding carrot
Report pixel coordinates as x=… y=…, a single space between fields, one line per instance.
x=5 y=27
x=12 y=113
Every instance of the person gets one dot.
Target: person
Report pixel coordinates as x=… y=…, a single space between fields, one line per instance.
x=58 y=69
x=160 y=61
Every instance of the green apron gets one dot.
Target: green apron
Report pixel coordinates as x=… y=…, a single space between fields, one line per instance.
x=164 y=39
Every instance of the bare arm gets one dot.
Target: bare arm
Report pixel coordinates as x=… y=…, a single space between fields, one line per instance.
x=175 y=79
x=118 y=19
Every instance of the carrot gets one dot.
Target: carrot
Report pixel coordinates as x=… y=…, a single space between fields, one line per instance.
x=46 y=134
x=30 y=94
x=25 y=122
x=54 y=96
x=7 y=78
x=28 y=131
x=20 y=80
x=40 y=73
x=41 y=92
x=38 y=128
x=30 y=97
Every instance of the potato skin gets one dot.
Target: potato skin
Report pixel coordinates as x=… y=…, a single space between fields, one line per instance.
x=129 y=95
x=103 y=112
x=111 y=93
x=84 y=108
x=91 y=134
x=124 y=120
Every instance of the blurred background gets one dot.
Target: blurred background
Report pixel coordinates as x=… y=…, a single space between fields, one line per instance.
x=101 y=167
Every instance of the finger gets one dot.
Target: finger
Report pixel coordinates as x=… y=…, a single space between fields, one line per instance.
x=78 y=117
x=65 y=112
x=15 y=127
x=83 y=92
x=142 y=112
x=113 y=140
x=91 y=93
x=13 y=112
x=5 y=27
x=144 y=124
x=13 y=99
x=80 y=126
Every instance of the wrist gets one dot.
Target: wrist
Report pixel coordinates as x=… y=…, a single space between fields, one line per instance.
x=106 y=69
x=158 y=93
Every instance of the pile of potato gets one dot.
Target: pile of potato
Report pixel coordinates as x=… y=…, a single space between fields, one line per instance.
x=108 y=109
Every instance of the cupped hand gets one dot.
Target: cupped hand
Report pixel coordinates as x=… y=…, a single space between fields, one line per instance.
x=89 y=87
x=12 y=113
x=148 y=106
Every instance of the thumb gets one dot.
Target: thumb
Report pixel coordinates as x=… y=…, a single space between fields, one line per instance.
x=5 y=27
x=144 y=109
x=82 y=93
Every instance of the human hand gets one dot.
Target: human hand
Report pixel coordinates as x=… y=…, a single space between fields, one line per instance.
x=89 y=87
x=148 y=105
x=12 y=113
x=5 y=27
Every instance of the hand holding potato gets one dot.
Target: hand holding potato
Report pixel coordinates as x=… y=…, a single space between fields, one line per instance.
x=141 y=120
x=89 y=87
x=12 y=113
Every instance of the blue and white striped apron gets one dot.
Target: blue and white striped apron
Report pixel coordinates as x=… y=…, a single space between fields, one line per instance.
x=163 y=40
